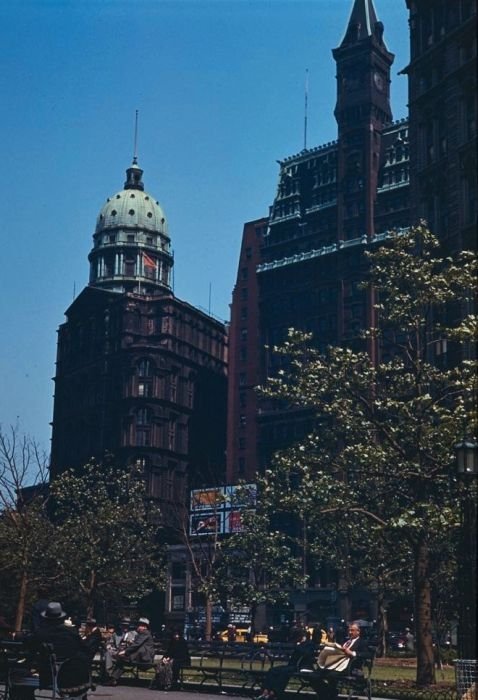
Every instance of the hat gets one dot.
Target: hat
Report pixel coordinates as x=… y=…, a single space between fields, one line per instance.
x=143 y=621
x=53 y=611
x=125 y=621
x=91 y=621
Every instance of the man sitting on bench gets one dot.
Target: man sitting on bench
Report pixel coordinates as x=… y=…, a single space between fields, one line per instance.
x=140 y=653
x=277 y=677
x=336 y=661
x=54 y=637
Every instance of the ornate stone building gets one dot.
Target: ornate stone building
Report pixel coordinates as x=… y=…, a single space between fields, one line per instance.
x=332 y=203
x=443 y=111
x=140 y=373
x=335 y=201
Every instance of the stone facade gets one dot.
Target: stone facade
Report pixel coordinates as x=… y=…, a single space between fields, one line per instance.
x=140 y=374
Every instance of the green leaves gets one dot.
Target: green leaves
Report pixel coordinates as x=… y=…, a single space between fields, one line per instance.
x=107 y=539
x=379 y=460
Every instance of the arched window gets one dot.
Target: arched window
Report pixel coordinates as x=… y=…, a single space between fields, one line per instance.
x=143 y=416
x=144 y=368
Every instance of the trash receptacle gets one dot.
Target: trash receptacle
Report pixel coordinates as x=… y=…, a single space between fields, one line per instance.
x=465 y=672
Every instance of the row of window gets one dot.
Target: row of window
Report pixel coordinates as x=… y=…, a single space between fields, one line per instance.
x=434 y=21
x=172 y=436
x=119 y=264
x=148 y=238
x=395 y=176
x=435 y=209
x=395 y=154
x=433 y=133
x=179 y=390
x=168 y=484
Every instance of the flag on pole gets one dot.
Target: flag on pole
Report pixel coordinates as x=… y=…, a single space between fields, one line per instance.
x=149 y=262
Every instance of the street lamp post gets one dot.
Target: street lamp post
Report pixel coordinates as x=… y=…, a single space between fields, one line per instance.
x=467 y=470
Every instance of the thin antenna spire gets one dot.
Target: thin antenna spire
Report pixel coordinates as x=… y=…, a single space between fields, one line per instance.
x=306 y=105
x=135 y=154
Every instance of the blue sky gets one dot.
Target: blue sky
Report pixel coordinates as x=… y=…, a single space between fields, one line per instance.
x=219 y=85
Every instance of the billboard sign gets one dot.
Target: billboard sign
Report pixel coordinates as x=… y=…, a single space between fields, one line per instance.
x=217 y=510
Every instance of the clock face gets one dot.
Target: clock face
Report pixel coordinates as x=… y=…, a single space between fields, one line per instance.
x=379 y=81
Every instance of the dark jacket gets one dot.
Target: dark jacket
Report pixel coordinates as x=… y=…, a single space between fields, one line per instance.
x=141 y=651
x=303 y=656
x=93 y=642
x=362 y=652
x=66 y=641
x=277 y=677
x=178 y=651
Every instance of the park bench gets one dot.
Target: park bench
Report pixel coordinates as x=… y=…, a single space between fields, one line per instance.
x=353 y=683
x=42 y=672
x=206 y=667
x=131 y=670
x=232 y=667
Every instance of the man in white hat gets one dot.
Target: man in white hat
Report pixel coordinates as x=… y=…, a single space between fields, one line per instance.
x=140 y=652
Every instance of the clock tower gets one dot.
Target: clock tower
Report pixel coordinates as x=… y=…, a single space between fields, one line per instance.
x=362 y=111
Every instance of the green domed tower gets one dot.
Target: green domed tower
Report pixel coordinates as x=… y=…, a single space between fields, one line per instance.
x=140 y=374
x=131 y=245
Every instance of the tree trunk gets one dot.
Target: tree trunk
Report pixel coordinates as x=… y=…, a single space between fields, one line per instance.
x=22 y=594
x=91 y=595
x=423 y=617
x=208 y=630
x=252 y=613
x=382 y=624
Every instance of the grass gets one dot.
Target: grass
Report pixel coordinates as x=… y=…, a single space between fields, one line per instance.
x=390 y=679
x=384 y=672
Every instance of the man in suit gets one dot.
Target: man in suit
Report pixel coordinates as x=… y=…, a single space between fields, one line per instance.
x=355 y=649
x=277 y=677
x=140 y=652
x=64 y=641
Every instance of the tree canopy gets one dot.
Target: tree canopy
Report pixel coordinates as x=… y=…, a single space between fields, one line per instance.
x=90 y=537
x=107 y=533
x=375 y=477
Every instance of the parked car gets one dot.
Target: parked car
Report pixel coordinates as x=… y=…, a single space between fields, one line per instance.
x=242 y=635
x=397 y=641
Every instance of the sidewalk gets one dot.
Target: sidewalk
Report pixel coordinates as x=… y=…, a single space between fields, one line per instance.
x=126 y=692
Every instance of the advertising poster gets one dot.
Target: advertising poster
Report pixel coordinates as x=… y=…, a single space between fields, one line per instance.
x=207 y=499
x=207 y=523
x=244 y=496
x=233 y=521
x=217 y=510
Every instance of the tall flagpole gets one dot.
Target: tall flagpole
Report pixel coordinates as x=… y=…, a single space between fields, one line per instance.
x=306 y=105
x=135 y=149
x=135 y=161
